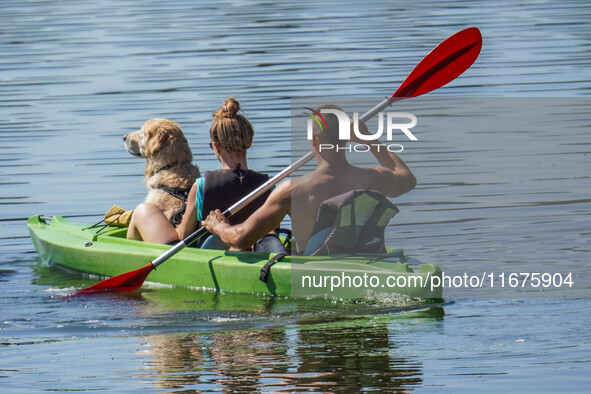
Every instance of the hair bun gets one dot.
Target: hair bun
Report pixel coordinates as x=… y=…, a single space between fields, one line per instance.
x=229 y=109
x=231 y=130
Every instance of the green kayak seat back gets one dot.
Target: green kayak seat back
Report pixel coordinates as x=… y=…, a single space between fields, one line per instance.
x=351 y=223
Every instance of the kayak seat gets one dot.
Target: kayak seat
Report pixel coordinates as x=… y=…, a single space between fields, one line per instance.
x=351 y=223
x=214 y=241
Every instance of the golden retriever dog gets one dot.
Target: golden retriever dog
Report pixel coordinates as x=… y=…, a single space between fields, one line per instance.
x=169 y=173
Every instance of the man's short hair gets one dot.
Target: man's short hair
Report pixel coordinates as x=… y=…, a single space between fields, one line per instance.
x=330 y=136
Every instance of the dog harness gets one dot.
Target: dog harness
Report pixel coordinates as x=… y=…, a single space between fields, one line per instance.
x=181 y=194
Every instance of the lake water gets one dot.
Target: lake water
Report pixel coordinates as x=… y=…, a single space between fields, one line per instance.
x=492 y=194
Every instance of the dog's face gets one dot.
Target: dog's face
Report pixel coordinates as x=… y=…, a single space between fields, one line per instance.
x=132 y=142
x=159 y=139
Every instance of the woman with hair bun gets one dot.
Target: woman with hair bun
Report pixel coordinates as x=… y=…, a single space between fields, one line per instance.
x=231 y=135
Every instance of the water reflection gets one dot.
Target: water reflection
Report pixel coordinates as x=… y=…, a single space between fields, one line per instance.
x=204 y=341
x=357 y=356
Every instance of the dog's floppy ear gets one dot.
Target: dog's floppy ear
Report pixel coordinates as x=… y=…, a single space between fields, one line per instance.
x=158 y=136
x=174 y=147
x=177 y=147
x=167 y=141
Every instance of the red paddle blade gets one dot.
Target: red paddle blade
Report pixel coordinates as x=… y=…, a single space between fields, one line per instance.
x=443 y=64
x=128 y=281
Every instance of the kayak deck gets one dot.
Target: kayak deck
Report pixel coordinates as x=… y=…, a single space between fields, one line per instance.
x=108 y=253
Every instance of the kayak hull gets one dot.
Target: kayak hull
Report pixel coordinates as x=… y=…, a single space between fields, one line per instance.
x=108 y=253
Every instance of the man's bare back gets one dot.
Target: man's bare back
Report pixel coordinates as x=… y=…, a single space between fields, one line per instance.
x=310 y=190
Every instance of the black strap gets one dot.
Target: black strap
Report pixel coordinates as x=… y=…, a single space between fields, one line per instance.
x=287 y=233
x=102 y=226
x=181 y=194
x=267 y=266
x=239 y=174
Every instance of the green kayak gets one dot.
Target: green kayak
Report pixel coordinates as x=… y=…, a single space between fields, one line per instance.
x=106 y=252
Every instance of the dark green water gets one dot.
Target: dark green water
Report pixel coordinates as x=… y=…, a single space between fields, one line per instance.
x=75 y=76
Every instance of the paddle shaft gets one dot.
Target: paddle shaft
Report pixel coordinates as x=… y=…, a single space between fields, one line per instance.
x=258 y=191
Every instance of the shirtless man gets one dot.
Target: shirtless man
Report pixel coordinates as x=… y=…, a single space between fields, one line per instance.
x=302 y=196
